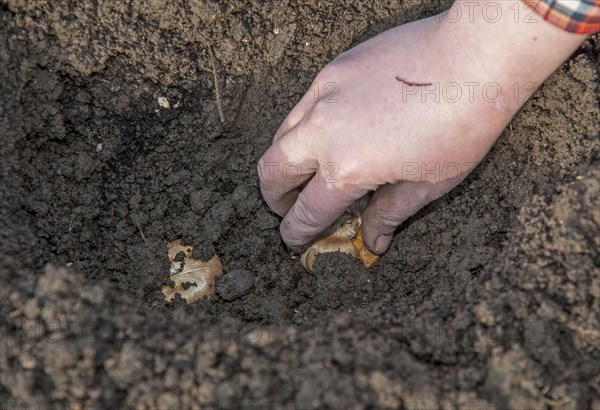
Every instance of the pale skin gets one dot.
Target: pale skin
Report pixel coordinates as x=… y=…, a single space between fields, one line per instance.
x=417 y=108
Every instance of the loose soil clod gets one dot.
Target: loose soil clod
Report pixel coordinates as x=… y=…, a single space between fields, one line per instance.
x=346 y=237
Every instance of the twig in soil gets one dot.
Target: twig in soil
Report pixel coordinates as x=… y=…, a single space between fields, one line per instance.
x=141 y=233
x=213 y=63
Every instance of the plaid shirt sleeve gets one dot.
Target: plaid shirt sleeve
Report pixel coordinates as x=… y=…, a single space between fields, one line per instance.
x=576 y=16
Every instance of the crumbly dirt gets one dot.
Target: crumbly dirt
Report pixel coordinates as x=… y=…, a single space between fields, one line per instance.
x=488 y=298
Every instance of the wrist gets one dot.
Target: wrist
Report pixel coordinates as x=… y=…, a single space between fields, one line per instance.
x=506 y=42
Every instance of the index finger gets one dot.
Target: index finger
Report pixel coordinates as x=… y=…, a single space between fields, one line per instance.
x=285 y=167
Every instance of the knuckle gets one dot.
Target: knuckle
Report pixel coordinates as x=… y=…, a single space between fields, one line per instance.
x=349 y=175
x=423 y=193
x=320 y=116
x=265 y=169
x=260 y=168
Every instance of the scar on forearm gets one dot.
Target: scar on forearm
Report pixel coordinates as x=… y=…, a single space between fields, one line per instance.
x=412 y=84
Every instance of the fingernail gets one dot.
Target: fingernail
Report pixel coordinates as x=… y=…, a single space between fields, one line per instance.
x=382 y=243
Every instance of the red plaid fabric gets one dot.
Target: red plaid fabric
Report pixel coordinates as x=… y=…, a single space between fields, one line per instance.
x=576 y=16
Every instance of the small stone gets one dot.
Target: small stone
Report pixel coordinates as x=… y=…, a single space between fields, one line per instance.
x=235 y=284
x=164 y=103
x=28 y=361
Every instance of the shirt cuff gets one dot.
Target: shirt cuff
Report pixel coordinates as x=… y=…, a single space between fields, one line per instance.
x=575 y=16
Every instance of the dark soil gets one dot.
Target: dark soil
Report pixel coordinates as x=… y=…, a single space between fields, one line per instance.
x=488 y=297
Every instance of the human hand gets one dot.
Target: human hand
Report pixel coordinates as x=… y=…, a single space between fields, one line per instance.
x=416 y=108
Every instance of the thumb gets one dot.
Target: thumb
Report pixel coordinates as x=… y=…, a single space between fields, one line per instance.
x=391 y=205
